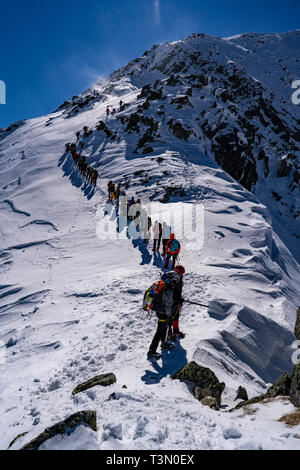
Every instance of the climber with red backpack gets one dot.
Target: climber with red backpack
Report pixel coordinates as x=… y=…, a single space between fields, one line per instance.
x=159 y=297
x=174 y=332
x=172 y=249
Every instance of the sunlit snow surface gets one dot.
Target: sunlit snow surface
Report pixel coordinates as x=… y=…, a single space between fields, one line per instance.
x=70 y=303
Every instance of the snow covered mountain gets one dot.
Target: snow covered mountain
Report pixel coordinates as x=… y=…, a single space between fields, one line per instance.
x=207 y=121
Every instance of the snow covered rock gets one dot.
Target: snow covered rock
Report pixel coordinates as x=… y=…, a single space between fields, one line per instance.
x=64 y=427
x=295 y=386
x=211 y=402
x=205 y=382
x=281 y=387
x=104 y=380
x=232 y=433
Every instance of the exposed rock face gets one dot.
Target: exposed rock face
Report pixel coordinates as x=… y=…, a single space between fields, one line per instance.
x=178 y=130
x=19 y=436
x=85 y=417
x=295 y=386
x=252 y=401
x=205 y=382
x=104 y=380
x=241 y=394
x=211 y=402
x=282 y=386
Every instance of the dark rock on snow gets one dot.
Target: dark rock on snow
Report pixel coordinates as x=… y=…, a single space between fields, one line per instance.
x=211 y=402
x=295 y=386
x=206 y=384
x=241 y=394
x=104 y=380
x=68 y=425
x=281 y=387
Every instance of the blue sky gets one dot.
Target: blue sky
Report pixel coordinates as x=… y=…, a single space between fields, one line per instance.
x=52 y=50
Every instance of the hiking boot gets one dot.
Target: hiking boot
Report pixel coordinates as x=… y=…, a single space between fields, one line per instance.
x=153 y=355
x=167 y=347
x=172 y=337
x=178 y=334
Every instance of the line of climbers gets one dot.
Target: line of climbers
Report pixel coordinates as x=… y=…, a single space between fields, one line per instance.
x=114 y=111
x=85 y=169
x=165 y=296
x=161 y=231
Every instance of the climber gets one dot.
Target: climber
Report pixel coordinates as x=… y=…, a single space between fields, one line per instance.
x=89 y=173
x=75 y=156
x=94 y=177
x=174 y=331
x=121 y=104
x=130 y=204
x=162 y=305
x=118 y=192
x=68 y=147
x=113 y=193
x=107 y=111
x=157 y=233
x=111 y=188
x=114 y=111
x=166 y=233
x=172 y=249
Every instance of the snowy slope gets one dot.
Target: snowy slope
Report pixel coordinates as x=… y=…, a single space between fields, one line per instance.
x=70 y=303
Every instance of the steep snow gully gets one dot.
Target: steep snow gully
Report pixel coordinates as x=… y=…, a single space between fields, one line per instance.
x=73 y=282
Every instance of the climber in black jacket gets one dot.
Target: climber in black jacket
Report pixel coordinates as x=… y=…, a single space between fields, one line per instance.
x=163 y=306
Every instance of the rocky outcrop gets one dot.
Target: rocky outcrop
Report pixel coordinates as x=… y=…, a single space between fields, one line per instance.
x=178 y=130
x=103 y=380
x=241 y=394
x=19 y=436
x=295 y=386
x=69 y=424
x=204 y=381
x=173 y=192
x=252 y=401
x=181 y=101
x=211 y=402
x=281 y=387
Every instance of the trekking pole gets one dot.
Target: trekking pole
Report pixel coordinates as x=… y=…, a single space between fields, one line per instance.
x=196 y=303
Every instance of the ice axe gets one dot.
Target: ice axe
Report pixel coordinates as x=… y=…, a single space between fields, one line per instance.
x=195 y=303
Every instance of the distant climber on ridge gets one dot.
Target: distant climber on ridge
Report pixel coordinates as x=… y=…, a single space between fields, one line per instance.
x=157 y=234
